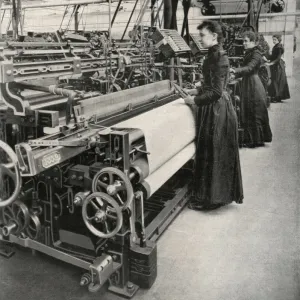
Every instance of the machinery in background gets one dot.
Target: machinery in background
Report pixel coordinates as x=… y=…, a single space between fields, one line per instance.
x=87 y=64
x=217 y=7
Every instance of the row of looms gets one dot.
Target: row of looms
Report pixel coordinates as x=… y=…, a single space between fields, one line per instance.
x=91 y=165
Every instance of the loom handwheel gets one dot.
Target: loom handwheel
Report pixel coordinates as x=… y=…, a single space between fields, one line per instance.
x=102 y=215
x=5 y=171
x=116 y=184
x=15 y=217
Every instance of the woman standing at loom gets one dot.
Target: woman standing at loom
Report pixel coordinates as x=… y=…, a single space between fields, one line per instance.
x=279 y=89
x=255 y=118
x=217 y=177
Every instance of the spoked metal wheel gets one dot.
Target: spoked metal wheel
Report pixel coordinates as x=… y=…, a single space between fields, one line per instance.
x=6 y=172
x=116 y=184
x=15 y=217
x=102 y=215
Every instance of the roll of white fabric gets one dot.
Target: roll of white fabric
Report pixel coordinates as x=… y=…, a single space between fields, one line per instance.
x=167 y=129
x=118 y=102
x=154 y=181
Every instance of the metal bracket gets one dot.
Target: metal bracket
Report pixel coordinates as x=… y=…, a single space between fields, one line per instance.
x=77 y=65
x=47 y=143
x=102 y=268
x=7 y=71
x=5 y=249
x=77 y=113
x=14 y=101
x=127 y=291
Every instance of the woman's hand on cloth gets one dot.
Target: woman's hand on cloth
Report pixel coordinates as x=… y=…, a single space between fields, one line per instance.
x=189 y=100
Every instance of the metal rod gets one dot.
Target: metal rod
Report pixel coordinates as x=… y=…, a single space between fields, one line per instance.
x=63 y=18
x=62 y=4
x=14 y=15
x=157 y=15
x=19 y=11
x=3 y=15
x=70 y=20
x=116 y=12
x=177 y=67
x=153 y=2
x=185 y=23
x=109 y=21
x=142 y=13
x=76 y=25
x=52 y=89
x=130 y=17
x=9 y=22
x=142 y=212
x=28 y=243
x=1 y=1
x=22 y=19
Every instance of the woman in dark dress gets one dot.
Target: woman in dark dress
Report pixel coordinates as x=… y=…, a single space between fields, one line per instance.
x=217 y=177
x=279 y=89
x=254 y=112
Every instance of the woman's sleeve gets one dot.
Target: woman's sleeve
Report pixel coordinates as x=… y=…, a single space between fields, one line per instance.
x=276 y=55
x=254 y=63
x=212 y=92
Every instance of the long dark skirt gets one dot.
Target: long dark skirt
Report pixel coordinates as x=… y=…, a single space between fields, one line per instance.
x=254 y=112
x=218 y=177
x=279 y=88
